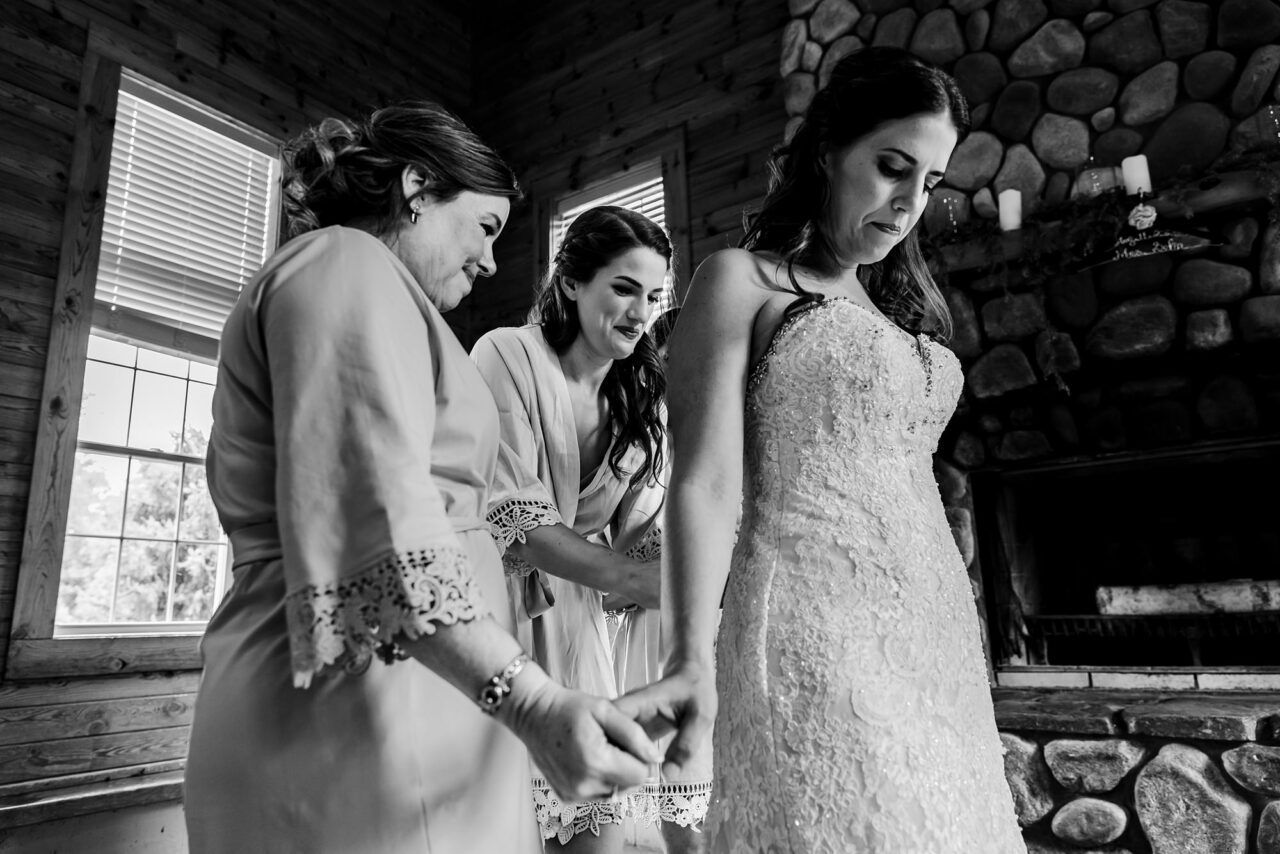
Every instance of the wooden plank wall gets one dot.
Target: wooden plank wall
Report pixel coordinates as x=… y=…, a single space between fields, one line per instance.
x=563 y=89
x=277 y=66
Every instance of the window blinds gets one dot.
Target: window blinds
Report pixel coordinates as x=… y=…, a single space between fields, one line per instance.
x=639 y=190
x=190 y=216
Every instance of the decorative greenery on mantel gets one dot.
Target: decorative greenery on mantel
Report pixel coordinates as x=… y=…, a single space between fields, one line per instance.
x=1071 y=235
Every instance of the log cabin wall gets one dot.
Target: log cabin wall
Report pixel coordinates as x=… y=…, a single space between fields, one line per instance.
x=572 y=91
x=275 y=66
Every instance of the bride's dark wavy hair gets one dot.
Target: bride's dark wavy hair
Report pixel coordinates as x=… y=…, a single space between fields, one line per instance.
x=635 y=386
x=867 y=89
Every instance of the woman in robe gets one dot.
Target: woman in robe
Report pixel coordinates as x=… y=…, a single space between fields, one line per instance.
x=362 y=689
x=579 y=393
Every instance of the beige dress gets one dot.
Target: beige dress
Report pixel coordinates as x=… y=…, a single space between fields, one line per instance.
x=562 y=623
x=352 y=449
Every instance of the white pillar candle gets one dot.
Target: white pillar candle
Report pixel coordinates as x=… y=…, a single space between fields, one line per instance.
x=1010 y=202
x=1137 y=177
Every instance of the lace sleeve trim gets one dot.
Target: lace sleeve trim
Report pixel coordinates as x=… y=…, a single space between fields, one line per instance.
x=511 y=519
x=649 y=547
x=347 y=621
x=684 y=804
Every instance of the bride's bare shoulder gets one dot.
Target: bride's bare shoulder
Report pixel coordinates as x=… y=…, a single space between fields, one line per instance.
x=739 y=274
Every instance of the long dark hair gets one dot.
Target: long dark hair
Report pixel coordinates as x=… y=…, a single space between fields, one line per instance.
x=341 y=170
x=635 y=386
x=866 y=89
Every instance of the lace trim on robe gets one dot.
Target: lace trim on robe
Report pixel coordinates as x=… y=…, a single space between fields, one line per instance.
x=684 y=804
x=510 y=519
x=347 y=621
x=649 y=547
x=563 y=821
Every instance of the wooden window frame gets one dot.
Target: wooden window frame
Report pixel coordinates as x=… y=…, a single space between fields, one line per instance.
x=668 y=148
x=34 y=652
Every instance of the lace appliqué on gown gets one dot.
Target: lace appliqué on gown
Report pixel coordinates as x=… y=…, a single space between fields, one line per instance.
x=408 y=594
x=855 y=713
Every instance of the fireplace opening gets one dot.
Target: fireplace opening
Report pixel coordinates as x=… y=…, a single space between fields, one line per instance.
x=1165 y=559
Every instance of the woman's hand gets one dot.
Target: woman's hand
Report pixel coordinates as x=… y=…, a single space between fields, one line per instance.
x=583 y=745
x=685 y=701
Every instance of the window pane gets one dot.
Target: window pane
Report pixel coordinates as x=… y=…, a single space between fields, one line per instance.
x=199 y=519
x=202 y=373
x=194 y=590
x=142 y=592
x=104 y=404
x=97 y=494
x=117 y=352
x=162 y=363
x=156 y=422
x=195 y=437
x=153 y=498
x=88 y=576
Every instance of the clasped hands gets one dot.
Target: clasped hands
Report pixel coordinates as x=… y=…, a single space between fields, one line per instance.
x=590 y=748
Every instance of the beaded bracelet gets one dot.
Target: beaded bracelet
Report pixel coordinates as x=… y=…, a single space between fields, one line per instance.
x=499 y=685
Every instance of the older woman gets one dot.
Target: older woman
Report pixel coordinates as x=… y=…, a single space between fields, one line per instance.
x=362 y=690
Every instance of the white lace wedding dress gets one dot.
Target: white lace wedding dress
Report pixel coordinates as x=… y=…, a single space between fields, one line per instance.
x=855 y=714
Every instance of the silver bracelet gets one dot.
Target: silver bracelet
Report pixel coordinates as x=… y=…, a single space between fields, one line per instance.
x=499 y=685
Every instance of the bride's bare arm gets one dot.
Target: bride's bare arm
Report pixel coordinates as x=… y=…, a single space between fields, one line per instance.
x=707 y=369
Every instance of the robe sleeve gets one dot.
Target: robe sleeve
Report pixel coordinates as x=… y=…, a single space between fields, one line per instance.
x=518 y=501
x=369 y=552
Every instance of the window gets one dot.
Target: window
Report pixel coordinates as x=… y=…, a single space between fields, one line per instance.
x=641 y=189
x=190 y=216
x=124 y=541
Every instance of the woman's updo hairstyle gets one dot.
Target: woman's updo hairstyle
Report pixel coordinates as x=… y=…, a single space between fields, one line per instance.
x=341 y=170
x=867 y=88
x=635 y=386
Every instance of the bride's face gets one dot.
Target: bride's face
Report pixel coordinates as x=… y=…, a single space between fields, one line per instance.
x=881 y=182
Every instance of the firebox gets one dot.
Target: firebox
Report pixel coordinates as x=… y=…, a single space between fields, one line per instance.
x=1162 y=559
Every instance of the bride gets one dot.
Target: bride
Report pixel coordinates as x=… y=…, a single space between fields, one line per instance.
x=807 y=376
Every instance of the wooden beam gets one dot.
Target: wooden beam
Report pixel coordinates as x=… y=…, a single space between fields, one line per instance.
x=49 y=658
x=68 y=343
x=164 y=783
x=92 y=753
x=15 y=695
x=33 y=724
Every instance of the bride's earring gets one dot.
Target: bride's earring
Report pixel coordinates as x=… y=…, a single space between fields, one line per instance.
x=413 y=215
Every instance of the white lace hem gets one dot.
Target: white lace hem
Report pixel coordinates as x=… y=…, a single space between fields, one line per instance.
x=563 y=821
x=512 y=518
x=348 y=620
x=683 y=804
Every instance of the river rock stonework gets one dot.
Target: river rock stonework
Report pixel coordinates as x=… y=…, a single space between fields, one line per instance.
x=1087 y=765
x=1186 y=806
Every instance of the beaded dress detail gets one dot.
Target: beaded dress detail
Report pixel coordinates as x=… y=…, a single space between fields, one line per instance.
x=855 y=713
